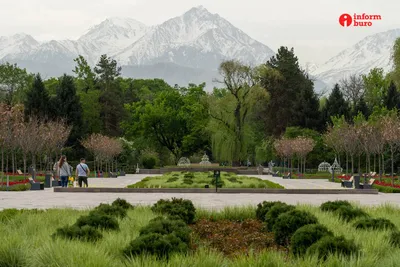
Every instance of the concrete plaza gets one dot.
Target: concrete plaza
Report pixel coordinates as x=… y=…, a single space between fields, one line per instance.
x=49 y=199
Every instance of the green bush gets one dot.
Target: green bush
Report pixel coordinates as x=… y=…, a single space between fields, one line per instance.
x=307 y=235
x=386 y=189
x=156 y=244
x=348 y=214
x=111 y=210
x=263 y=208
x=287 y=223
x=123 y=204
x=175 y=175
x=98 y=220
x=220 y=182
x=184 y=209
x=332 y=245
x=165 y=226
x=232 y=179
x=149 y=162
x=17 y=187
x=394 y=239
x=188 y=175
x=274 y=212
x=172 y=179
x=187 y=181
x=84 y=233
x=334 y=205
x=375 y=224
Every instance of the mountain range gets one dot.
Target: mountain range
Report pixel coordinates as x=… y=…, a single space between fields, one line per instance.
x=184 y=49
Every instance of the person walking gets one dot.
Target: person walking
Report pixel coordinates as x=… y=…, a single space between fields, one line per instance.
x=82 y=172
x=64 y=171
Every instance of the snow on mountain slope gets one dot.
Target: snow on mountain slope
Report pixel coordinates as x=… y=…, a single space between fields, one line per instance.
x=374 y=51
x=16 y=44
x=112 y=36
x=195 y=39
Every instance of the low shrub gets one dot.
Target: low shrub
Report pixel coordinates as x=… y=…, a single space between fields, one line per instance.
x=220 y=182
x=263 y=208
x=149 y=162
x=287 y=223
x=332 y=245
x=375 y=224
x=187 y=181
x=85 y=233
x=111 y=210
x=274 y=212
x=386 y=189
x=394 y=239
x=123 y=204
x=348 y=214
x=165 y=226
x=232 y=179
x=334 y=205
x=172 y=179
x=184 y=209
x=188 y=175
x=156 y=244
x=17 y=187
x=98 y=220
x=175 y=175
x=307 y=235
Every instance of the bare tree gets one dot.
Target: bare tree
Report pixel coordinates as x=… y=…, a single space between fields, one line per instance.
x=352 y=88
x=391 y=135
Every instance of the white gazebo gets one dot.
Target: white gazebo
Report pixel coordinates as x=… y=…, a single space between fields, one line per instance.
x=324 y=167
x=335 y=167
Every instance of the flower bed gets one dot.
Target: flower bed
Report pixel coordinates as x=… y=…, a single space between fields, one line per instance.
x=11 y=183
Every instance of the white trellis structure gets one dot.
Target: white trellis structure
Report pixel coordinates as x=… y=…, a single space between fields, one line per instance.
x=184 y=162
x=335 y=167
x=324 y=167
x=205 y=160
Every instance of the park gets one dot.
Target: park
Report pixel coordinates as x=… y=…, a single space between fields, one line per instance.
x=259 y=172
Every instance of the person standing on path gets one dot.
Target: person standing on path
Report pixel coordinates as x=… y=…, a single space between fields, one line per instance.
x=64 y=171
x=82 y=172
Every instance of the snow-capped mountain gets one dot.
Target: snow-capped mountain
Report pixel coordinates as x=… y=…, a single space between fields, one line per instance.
x=374 y=51
x=195 y=39
x=112 y=36
x=17 y=44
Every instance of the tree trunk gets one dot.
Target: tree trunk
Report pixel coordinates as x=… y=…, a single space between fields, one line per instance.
x=379 y=163
x=352 y=164
x=383 y=163
x=12 y=161
x=2 y=164
x=347 y=163
x=359 y=165
x=24 y=165
x=392 y=152
x=374 y=163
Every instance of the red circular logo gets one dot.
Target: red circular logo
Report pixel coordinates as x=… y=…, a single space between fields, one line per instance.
x=345 y=20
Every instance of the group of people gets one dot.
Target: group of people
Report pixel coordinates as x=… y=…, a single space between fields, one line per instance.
x=64 y=171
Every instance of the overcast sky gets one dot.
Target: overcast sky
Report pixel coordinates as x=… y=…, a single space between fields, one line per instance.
x=310 y=26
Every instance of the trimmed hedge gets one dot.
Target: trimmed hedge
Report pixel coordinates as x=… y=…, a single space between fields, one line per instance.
x=386 y=189
x=180 y=208
x=375 y=224
x=274 y=212
x=307 y=235
x=287 y=223
x=164 y=226
x=334 y=205
x=98 y=220
x=263 y=208
x=86 y=233
x=333 y=245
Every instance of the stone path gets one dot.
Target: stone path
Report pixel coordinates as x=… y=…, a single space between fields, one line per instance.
x=49 y=199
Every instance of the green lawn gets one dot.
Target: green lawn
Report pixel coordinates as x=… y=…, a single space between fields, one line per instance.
x=26 y=241
x=201 y=179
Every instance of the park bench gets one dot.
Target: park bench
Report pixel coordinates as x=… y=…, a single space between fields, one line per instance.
x=20 y=172
x=275 y=174
x=368 y=185
x=287 y=176
x=36 y=185
x=112 y=175
x=349 y=183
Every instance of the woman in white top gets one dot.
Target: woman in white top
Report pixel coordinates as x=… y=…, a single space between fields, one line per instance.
x=64 y=171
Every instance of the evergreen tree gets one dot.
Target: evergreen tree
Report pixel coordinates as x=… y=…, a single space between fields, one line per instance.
x=37 y=100
x=336 y=105
x=361 y=107
x=392 y=97
x=69 y=107
x=108 y=71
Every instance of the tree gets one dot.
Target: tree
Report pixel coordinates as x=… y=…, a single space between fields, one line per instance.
x=86 y=77
x=38 y=101
x=396 y=62
x=13 y=82
x=361 y=107
x=229 y=114
x=108 y=71
x=391 y=135
x=392 y=97
x=336 y=105
x=352 y=88
x=375 y=87
x=69 y=107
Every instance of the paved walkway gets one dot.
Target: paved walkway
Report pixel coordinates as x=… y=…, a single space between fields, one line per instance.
x=49 y=199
